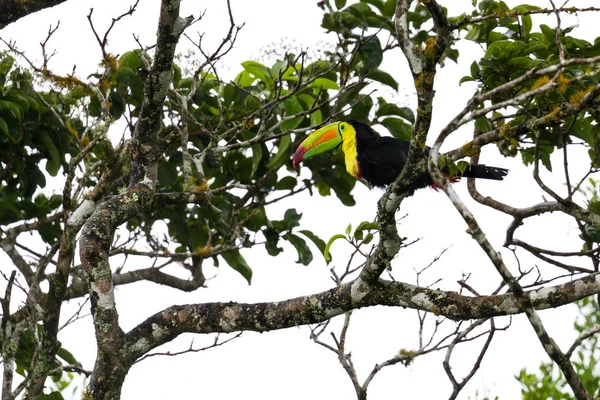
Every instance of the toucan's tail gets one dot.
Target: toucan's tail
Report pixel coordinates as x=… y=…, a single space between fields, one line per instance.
x=485 y=172
x=472 y=171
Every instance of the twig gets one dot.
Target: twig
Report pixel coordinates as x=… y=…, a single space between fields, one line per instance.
x=191 y=349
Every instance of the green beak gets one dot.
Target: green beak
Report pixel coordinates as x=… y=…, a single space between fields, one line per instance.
x=320 y=141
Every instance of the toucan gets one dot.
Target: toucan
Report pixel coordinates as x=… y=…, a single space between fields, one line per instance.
x=377 y=159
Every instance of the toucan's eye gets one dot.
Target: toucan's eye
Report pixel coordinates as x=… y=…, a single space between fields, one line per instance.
x=342 y=127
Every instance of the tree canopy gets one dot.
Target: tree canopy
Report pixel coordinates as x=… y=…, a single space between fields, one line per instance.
x=160 y=158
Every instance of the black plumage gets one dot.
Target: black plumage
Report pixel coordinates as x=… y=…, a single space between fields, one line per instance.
x=381 y=159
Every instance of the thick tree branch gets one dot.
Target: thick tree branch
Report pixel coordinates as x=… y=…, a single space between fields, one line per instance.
x=13 y=10
x=468 y=20
x=423 y=63
x=260 y=317
x=525 y=302
x=110 y=369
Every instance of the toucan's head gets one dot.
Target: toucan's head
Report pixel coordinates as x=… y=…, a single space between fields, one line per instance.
x=327 y=138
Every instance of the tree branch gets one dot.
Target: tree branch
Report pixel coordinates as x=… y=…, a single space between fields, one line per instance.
x=260 y=317
x=13 y=10
x=111 y=369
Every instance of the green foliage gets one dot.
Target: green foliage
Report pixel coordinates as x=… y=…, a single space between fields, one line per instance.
x=513 y=46
x=238 y=263
x=26 y=351
x=286 y=99
x=548 y=382
x=244 y=133
x=363 y=235
x=31 y=139
x=590 y=232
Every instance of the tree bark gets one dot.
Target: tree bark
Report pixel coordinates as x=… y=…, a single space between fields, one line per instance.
x=112 y=365
x=13 y=10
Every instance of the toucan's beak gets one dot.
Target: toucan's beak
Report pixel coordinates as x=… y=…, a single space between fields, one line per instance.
x=320 y=141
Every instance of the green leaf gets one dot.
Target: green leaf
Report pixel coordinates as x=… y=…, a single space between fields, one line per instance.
x=392 y=109
x=339 y=4
x=523 y=63
x=527 y=156
x=316 y=118
x=244 y=79
x=290 y=220
x=346 y=20
x=272 y=237
x=348 y=229
x=94 y=108
x=483 y=125
x=50 y=232
x=257 y=155
x=317 y=67
x=255 y=218
x=474 y=32
x=371 y=53
x=527 y=24
x=20 y=100
x=398 y=128
x=287 y=183
x=362 y=108
x=176 y=75
x=131 y=59
x=358 y=235
x=67 y=356
x=452 y=54
x=320 y=243
x=117 y=104
x=325 y=84
x=545 y=159
x=548 y=32
x=292 y=107
x=326 y=253
x=462 y=166
x=475 y=70
x=236 y=261
x=6 y=65
x=323 y=188
x=4 y=128
x=279 y=68
x=33 y=102
x=383 y=77
x=259 y=71
x=282 y=153
x=377 y=3
x=389 y=8
x=305 y=256
x=53 y=163
x=11 y=108
x=368 y=238
x=367 y=226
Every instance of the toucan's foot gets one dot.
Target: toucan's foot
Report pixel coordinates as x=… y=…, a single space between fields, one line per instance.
x=452 y=179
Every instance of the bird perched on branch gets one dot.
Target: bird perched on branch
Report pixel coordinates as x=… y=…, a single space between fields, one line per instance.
x=377 y=159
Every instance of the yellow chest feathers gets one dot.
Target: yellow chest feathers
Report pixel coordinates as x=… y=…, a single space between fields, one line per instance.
x=350 y=154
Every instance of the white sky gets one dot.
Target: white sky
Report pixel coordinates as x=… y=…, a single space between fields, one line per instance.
x=286 y=364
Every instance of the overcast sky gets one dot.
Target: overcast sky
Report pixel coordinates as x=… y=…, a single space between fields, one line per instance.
x=286 y=364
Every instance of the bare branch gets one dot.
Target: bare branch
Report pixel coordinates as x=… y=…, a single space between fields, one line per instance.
x=191 y=349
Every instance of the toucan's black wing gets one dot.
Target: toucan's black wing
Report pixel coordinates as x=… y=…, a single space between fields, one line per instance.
x=381 y=159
